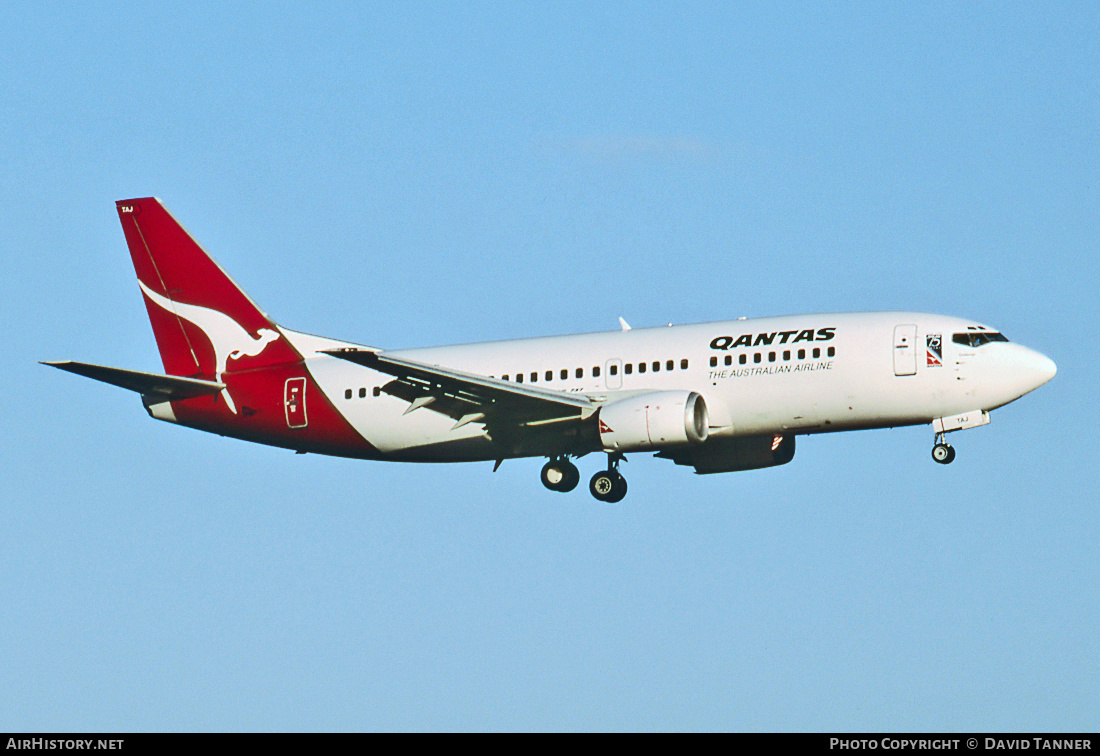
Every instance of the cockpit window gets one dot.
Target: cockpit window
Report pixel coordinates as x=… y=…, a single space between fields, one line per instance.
x=977 y=338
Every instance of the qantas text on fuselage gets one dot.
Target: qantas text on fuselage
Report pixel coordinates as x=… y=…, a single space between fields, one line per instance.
x=775 y=337
x=717 y=397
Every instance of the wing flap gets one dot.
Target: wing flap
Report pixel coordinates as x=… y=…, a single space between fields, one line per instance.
x=421 y=395
x=459 y=394
x=166 y=387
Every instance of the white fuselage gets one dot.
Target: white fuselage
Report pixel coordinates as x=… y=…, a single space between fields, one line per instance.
x=791 y=374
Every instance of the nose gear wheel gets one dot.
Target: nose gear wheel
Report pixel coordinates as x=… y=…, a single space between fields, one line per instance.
x=943 y=452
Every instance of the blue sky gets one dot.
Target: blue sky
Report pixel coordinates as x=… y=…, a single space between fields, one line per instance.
x=421 y=173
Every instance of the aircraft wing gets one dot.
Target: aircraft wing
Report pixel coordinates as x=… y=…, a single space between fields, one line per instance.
x=166 y=387
x=466 y=397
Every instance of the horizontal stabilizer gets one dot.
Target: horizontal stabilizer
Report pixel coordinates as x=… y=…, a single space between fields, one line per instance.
x=166 y=387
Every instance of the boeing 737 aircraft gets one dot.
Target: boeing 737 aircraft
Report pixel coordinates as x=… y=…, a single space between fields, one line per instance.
x=718 y=397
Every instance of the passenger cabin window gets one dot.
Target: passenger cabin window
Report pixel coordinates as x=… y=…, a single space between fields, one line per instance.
x=580 y=372
x=743 y=359
x=596 y=371
x=641 y=367
x=377 y=391
x=670 y=365
x=564 y=374
x=549 y=375
x=347 y=394
x=656 y=366
x=801 y=354
x=817 y=352
x=503 y=377
x=977 y=338
x=628 y=368
x=534 y=377
x=519 y=377
x=787 y=354
x=756 y=357
x=713 y=361
x=832 y=351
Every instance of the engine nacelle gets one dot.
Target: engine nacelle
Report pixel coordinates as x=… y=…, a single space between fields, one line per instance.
x=732 y=454
x=657 y=420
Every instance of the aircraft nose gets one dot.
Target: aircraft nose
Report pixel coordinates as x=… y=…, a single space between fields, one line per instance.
x=1036 y=368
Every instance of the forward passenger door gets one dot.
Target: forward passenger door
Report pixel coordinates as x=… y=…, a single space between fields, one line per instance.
x=905 y=350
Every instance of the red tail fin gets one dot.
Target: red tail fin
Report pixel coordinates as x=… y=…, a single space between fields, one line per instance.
x=204 y=324
x=206 y=327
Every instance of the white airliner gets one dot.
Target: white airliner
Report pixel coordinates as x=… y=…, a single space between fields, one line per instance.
x=719 y=397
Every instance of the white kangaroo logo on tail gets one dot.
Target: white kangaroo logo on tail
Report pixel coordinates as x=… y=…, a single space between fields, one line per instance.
x=225 y=334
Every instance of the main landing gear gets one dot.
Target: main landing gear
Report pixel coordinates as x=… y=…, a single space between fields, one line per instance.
x=561 y=475
x=943 y=452
x=608 y=485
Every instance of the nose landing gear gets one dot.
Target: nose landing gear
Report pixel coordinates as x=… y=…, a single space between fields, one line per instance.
x=943 y=452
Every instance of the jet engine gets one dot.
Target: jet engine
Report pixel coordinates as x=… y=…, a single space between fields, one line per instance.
x=734 y=454
x=657 y=420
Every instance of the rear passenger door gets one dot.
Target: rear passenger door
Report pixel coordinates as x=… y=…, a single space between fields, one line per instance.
x=294 y=399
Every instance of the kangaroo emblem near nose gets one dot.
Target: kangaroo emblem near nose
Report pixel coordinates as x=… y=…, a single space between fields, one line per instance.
x=226 y=335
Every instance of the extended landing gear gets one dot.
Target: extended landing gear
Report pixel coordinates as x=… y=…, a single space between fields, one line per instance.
x=560 y=475
x=609 y=485
x=943 y=452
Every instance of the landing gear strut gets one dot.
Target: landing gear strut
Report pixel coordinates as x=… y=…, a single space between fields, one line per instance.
x=609 y=485
x=943 y=452
x=561 y=475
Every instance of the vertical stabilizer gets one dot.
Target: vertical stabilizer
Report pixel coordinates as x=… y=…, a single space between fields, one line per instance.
x=204 y=324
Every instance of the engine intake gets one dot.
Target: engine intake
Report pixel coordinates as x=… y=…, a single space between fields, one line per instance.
x=657 y=420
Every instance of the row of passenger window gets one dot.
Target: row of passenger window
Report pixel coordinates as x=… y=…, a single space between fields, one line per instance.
x=362 y=393
x=612 y=369
x=628 y=368
x=758 y=357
